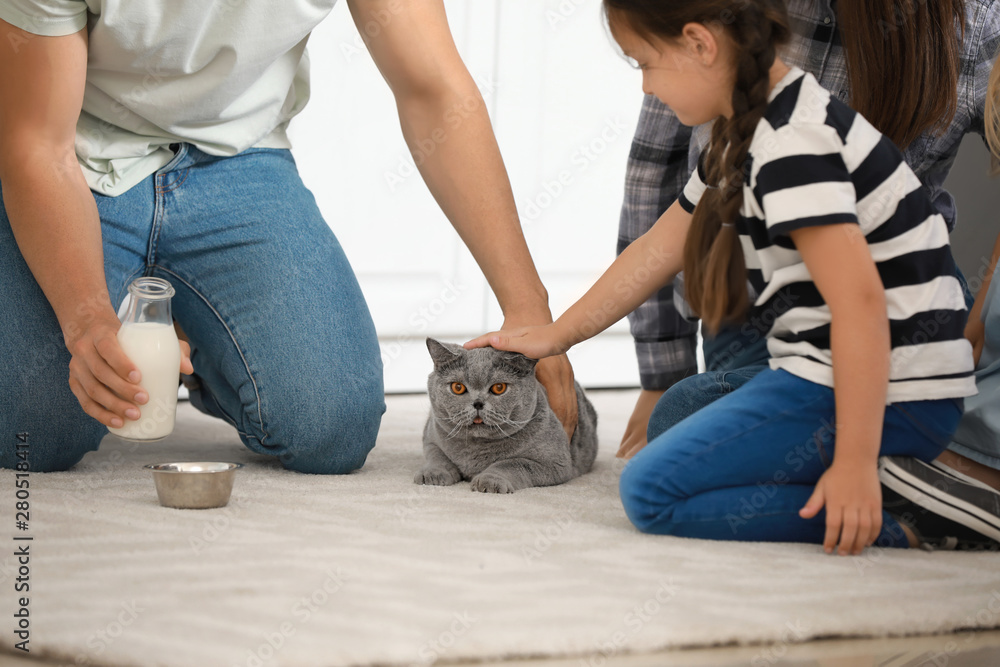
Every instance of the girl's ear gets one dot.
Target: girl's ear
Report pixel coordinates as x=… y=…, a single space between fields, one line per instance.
x=702 y=43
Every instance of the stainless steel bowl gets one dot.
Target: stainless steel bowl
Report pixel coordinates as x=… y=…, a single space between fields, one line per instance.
x=194 y=485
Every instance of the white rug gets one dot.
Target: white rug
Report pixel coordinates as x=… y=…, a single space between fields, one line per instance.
x=371 y=569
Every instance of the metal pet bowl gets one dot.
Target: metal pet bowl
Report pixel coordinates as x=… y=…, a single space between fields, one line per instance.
x=194 y=485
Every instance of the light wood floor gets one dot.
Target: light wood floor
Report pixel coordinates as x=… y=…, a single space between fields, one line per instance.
x=974 y=649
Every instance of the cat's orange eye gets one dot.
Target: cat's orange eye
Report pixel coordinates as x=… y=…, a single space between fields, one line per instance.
x=498 y=388
x=457 y=388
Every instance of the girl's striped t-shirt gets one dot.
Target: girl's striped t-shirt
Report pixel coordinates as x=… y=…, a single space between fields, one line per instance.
x=815 y=161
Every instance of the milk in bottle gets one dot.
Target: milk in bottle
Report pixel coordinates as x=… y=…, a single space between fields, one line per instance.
x=148 y=338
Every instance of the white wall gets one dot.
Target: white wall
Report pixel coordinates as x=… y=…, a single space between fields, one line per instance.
x=564 y=107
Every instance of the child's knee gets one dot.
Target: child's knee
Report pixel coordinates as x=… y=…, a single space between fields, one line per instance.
x=648 y=496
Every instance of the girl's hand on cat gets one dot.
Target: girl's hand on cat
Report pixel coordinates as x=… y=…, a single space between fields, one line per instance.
x=533 y=342
x=853 y=499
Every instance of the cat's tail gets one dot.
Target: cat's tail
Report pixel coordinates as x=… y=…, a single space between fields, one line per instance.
x=583 y=446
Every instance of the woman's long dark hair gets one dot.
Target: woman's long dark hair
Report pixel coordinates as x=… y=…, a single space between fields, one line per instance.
x=714 y=268
x=903 y=63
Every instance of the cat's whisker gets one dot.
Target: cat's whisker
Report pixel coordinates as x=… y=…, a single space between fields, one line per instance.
x=454 y=430
x=512 y=422
x=501 y=421
x=499 y=430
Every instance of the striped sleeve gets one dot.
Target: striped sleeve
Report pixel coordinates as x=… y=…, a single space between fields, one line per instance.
x=802 y=180
x=695 y=187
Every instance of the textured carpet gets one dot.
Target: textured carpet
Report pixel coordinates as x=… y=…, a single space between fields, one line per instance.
x=371 y=569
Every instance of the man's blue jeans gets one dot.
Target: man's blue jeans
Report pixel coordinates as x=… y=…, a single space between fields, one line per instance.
x=283 y=345
x=732 y=358
x=742 y=467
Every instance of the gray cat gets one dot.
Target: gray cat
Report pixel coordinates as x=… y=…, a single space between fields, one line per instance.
x=490 y=423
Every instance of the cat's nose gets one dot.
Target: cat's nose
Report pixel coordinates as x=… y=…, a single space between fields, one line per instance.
x=478 y=405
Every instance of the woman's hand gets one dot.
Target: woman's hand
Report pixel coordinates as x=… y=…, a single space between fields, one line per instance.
x=853 y=499
x=635 y=432
x=533 y=342
x=104 y=380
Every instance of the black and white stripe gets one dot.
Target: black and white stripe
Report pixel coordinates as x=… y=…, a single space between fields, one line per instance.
x=814 y=161
x=968 y=510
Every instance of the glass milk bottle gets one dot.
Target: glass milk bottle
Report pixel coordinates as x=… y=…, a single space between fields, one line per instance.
x=148 y=338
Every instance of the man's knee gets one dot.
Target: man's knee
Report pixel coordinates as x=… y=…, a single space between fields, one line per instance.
x=40 y=444
x=684 y=399
x=327 y=437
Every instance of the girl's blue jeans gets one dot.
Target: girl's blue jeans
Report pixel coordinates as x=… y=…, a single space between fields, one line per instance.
x=282 y=342
x=743 y=466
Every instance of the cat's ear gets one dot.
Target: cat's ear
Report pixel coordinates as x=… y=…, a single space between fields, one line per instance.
x=442 y=353
x=521 y=364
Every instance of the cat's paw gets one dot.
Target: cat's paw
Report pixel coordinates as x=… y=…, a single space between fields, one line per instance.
x=488 y=482
x=436 y=477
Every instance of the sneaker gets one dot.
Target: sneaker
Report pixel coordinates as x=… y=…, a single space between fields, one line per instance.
x=944 y=511
x=948 y=470
x=934 y=532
